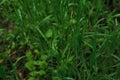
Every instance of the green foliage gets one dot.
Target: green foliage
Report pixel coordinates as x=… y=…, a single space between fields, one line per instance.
x=59 y=40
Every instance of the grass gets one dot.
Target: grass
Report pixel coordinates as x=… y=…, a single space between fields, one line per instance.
x=59 y=40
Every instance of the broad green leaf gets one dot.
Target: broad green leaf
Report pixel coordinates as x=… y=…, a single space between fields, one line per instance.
x=29 y=55
x=49 y=33
x=30 y=65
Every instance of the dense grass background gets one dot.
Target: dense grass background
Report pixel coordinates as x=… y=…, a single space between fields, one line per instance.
x=59 y=40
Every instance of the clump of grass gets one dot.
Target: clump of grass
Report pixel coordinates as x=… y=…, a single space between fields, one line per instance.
x=59 y=40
